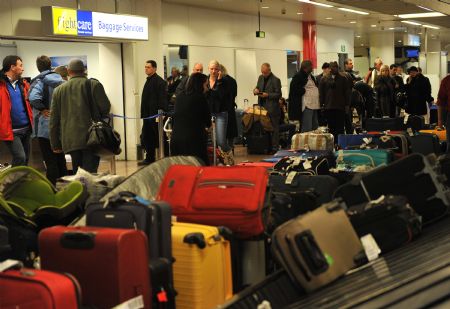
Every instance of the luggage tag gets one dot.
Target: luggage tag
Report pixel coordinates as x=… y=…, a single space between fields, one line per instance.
x=264 y=305
x=410 y=132
x=307 y=165
x=290 y=177
x=133 y=303
x=297 y=161
x=370 y=247
x=405 y=119
x=9 y=264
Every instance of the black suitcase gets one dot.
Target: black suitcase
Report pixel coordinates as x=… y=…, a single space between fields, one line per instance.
x=4 y=243
x=425 y=144
x=307 y=164
x=275 y=291
x=320 y=187
x=391 y=221
x=126 y=210
x=257 y=140
x=444 y=167
x=384 y=124
x=413 y=176
x=415 y=122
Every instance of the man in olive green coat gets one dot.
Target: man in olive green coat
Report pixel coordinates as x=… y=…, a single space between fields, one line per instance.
x=70 y=117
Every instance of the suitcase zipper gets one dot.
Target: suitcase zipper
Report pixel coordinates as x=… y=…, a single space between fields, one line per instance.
x=225 y=183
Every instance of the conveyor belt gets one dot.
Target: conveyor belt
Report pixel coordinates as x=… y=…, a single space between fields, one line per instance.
x=416 y=275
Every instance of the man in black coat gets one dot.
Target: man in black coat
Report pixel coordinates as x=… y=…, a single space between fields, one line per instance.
x=154 y=97
x=296 y=92
x=418 y=92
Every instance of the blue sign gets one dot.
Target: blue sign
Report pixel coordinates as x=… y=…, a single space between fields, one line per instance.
x=84 y=23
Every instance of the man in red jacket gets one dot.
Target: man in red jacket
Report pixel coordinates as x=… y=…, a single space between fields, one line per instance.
x=443 y=103
x=15 y=110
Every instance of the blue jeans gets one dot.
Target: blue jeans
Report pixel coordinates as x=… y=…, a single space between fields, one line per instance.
x=221 y=130
x=85 y=159
x=310 y=120
x=20 y=147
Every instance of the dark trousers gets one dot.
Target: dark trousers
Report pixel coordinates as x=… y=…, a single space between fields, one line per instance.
x=149 y=138
x=336 y=121
x=54 y=162
x=85 y=159
x=349 y=122
x=19 y=147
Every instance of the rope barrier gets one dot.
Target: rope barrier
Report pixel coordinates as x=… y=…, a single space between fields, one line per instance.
x=126 y=117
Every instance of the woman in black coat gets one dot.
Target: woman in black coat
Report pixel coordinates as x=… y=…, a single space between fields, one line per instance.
x=384 y=88
x=191 y=118
x=418 y=92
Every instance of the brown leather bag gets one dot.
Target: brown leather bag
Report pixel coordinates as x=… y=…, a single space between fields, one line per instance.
x=318 y=247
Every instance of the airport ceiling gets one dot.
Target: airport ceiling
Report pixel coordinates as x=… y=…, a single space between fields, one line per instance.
x=381 y=15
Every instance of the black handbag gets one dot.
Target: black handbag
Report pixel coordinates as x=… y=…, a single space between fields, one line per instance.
x=102 y=138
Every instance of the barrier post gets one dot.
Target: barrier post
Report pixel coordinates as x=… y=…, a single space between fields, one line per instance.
x=161 y=133
x=213 y=133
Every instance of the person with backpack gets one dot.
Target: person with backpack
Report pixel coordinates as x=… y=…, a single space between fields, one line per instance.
x=40 y=97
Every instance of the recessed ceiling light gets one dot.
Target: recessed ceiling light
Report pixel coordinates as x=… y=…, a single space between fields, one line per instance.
x=299 y=13
x=411 y=22
x=426 y=9
x=353 y=11
x=421 y=15
x=329 y=18
x=399 y=41
x=264 y=7
x=353 y=22
x=392 y=28
x=373 y=26
x=432 y=27
x=358 y=36
x=316 y=3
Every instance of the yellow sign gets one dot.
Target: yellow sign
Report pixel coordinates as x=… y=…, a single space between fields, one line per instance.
x=64 y=21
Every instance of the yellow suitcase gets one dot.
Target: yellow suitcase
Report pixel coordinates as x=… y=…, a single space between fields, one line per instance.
x=202 y=268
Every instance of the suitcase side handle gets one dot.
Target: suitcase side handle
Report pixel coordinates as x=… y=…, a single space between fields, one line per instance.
x=77 y=240
x=311 y=252
x=195 y=239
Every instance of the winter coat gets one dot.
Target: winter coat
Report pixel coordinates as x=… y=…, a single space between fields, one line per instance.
x=296 y=92
x=273 y=89
x=40 y=97
x=417 y=92
x=6 y=132
x=335 y=93
x=154 y=96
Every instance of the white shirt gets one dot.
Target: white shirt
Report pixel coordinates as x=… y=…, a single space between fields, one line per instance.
x=311 y=97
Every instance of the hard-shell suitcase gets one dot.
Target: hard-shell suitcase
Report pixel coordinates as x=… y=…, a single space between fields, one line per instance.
x=313 y=141
x=110 y=264
x=128 y=211
x=371 y=157
x=384 y=124
x=233 y=196
x=32 y=289
x=275 y=291
x=202 y=268
x=413 y=176
x=390 y=220
x=318 y=247
x=441 y=134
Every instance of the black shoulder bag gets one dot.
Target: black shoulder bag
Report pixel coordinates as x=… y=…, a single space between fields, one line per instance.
x=102 y=138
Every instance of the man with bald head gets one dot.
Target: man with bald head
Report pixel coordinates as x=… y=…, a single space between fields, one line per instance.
x=268 y=90
x=198 y=68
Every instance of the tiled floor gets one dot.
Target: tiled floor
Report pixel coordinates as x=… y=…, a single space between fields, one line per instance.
x=126 y=168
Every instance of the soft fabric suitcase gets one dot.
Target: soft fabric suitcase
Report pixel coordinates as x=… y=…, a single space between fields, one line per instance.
x=267 y=165
x=370 y=157
x=202 y=268
x=352 y=141
x=128 y=211
x=321 y=187
x=391 y=221
x=111 y=265
x=313 y=141
x=307 y=162
x=425 y=144
x=385 y=124
x=234 y=196
x=275 y=291
x=413 y=176
x=257 y=139
x=38 y=289
x=302 y=153
x=441 y=134
x=318 y=247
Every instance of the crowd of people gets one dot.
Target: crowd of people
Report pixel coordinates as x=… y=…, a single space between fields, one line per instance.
x=53 y=106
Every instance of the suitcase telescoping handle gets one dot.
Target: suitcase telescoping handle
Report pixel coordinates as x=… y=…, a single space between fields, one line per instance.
x=311 y=252
x=77 y=240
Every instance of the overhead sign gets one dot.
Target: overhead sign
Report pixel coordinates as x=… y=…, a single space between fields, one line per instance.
x=78 y=23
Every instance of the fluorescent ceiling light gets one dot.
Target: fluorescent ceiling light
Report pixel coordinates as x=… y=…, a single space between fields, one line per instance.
x=353 y=22
x=426 y=9
x=316 y=3
x=421 y=15
x=299 y=13
x=264 y=7
x=373 y=26
x=358 y=36
x=399 y=41
x=329 y=18
x=391 y=28
x=432 y=27
x=411 y=23
x=353 y=11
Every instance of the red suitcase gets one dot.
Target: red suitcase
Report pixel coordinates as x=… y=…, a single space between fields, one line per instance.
x=110 y=264
x=231 y=196
x=32 y=289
